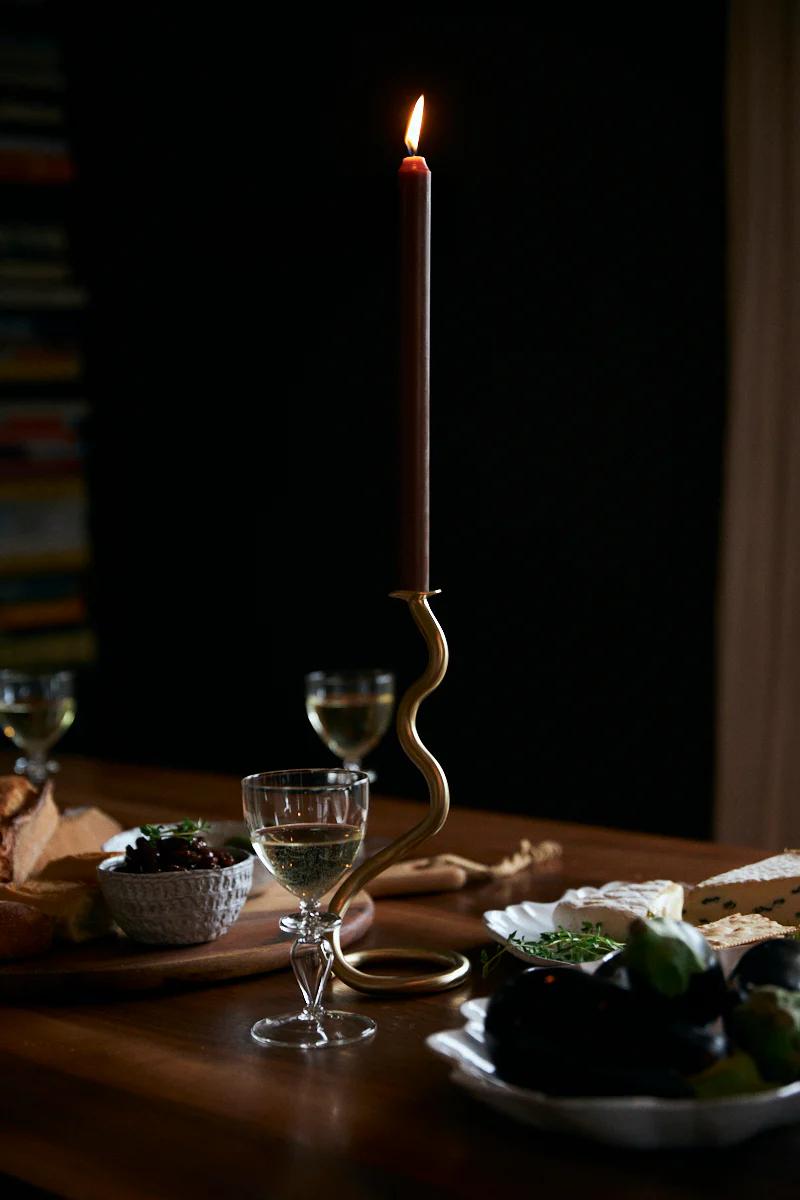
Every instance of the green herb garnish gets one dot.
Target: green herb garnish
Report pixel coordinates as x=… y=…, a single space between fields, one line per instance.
x=240 y=843
x=559 y=945
x=183 y=829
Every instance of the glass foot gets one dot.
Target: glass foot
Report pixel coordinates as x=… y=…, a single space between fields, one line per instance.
x=313 y=1032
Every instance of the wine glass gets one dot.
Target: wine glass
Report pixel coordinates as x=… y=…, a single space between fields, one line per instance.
x=35 y=710
x=306 y=827
x=350 y=711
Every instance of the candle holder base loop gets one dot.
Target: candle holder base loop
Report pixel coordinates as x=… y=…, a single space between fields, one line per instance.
x=453 y=967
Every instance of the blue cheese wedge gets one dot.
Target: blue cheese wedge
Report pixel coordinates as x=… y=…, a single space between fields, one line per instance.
x=617 y=904
x=770 y=888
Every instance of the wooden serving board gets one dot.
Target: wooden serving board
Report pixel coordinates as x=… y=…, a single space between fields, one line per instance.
x=252 y=946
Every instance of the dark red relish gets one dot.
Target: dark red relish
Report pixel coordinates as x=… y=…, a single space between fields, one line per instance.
x=153 y=856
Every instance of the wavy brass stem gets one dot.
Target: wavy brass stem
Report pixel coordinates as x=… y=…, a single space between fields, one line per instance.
x=453 y=967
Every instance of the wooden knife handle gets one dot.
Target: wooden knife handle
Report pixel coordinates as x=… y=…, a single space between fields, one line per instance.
x=417 y=875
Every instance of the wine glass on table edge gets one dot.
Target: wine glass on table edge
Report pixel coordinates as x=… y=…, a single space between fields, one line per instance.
x=350 y=711
x=36 y=708
x=307 y=826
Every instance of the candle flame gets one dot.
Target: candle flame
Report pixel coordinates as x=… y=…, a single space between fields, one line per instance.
x=414 y=126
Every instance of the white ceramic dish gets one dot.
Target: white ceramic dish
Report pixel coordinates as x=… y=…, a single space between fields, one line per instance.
x=530 y=920
x=180 y=908
x=217 y=835
x=644 y=1122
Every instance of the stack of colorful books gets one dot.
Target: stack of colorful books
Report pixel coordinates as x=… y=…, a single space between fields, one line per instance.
x=44 y=542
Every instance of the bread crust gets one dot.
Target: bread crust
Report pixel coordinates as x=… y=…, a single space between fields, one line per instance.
x=23 y=931
x=73 y=868
x=77 y=910
x=25 y=835
x=80 y=830
x=15 y=793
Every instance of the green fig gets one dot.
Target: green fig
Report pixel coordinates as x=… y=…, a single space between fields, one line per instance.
x=767 y=1026
x=731 y=1076
x=672 y=965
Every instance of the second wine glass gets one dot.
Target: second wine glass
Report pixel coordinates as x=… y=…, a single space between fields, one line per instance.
x=350 y=711
x=36 y=708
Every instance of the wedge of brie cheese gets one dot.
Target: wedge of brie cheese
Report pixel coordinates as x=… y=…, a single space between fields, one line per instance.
x=770 y=888
x=615 y=905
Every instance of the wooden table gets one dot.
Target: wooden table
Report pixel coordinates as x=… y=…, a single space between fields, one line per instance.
x=167 y=1096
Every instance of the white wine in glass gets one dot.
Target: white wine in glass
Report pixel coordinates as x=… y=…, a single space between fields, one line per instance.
x=308 y=859
x=35 y=710
x=350 y=710
x=307 y=827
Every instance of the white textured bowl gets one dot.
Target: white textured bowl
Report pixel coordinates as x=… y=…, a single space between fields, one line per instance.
x=176 y=908
x=216 y=835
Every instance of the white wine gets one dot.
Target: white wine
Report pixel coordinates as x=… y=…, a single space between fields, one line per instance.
x=37 y=724
x=351 y=723
x=307 y=859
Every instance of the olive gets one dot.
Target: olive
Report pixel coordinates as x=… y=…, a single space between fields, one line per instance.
x=776 y=962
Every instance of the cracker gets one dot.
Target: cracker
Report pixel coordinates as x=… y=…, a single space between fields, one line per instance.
x=743 y=929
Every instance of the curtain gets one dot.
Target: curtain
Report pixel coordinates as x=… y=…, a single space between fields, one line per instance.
x=758 y=740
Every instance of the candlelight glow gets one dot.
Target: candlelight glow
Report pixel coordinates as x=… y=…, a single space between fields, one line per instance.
x=414 y=126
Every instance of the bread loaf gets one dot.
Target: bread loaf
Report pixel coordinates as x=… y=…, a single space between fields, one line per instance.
x=24 y=833
x=74 y=868
x=79 y=831
x=23 y=931
x=77 y=909
x=15 y=792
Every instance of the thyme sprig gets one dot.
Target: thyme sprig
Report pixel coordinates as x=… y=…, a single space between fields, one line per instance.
x=560 y=945
x=183 y=829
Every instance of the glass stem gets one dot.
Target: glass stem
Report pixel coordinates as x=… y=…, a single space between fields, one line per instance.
x=352 y=765
x=312 y=959
x=36 y=766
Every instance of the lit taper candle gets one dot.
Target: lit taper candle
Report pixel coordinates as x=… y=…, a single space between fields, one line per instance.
x=415 y=244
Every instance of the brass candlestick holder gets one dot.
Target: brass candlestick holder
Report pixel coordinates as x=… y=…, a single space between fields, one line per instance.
x=452 y=966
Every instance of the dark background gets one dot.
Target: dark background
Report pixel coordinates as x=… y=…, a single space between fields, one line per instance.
x=236 y=222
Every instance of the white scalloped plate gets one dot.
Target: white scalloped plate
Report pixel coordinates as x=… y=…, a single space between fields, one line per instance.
x=530 y=920
x=644 y=1122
